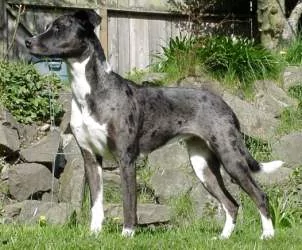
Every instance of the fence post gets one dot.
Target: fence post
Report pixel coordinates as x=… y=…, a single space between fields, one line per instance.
x=104 y=26
x=3 y=29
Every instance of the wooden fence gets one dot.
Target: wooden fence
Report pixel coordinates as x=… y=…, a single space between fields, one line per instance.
x=132 y=31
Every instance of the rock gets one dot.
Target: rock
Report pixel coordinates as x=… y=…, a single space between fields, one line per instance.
x=203 y=202
x=65 y=99
x=9 y=140
x=254 y=122
x=292 y=76
x=10 y=212
x=146 y=213
x=44 y=151
x=54 y=213
x=45 y=127
x=170 y=183
x=272 y=99
x=29 y=180
x=152 y=78
x=169 y=156
x=112 y=178
x=172 y=173
x=201 y=82
x=278 y=177
x=287 y=149
x=72 y=180
x=29 y=134
x=7 y=119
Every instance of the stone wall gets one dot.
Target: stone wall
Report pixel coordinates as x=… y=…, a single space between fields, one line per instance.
x=42 y=171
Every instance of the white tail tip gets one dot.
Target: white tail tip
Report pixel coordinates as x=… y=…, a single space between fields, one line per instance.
x=269 y=167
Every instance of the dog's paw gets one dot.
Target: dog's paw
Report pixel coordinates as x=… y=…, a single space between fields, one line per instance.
x=268 y=234
x=95 y=229
x=128 y=232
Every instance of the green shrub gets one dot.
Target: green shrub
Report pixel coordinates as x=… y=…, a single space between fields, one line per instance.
x=286 y=202
x=237 y=61
x=293 y=52
x=178 y=58
x=26 y=94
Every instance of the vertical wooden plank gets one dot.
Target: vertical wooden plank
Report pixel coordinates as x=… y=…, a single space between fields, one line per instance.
x=3 y=29
x=104 y=28
x=158 y=36
x=113 y=42
x=139 y=43
x=123 y=44
x=176 y=27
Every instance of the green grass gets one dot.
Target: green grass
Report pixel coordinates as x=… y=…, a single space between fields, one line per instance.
x=291 y=118
x=196 y=236
x=193 y=234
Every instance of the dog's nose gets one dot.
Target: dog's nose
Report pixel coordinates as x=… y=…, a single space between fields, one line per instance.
x=28 y=43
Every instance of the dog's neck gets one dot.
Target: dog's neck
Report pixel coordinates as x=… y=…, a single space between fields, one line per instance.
x=95 y=63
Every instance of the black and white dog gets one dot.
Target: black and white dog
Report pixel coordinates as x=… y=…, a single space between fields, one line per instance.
x=110 y=113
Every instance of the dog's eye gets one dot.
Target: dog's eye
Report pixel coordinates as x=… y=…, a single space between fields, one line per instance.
x=56 y=28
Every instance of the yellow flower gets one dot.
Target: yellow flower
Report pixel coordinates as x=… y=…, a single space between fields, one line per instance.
x=42 y=220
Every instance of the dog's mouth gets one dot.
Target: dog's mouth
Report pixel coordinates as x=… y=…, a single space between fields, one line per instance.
x=36 y=49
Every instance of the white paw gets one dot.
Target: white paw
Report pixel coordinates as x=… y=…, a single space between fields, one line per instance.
x=267 y=234
x=224 y=237
x=128 y=232
x=95 y=228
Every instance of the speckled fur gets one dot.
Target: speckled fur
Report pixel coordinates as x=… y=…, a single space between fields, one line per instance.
x=138 y=119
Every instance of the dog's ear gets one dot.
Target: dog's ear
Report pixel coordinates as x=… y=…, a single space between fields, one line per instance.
x=89 y=18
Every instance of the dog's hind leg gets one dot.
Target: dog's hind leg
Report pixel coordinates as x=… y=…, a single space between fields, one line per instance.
x=93 y=171
x=207 y=168
x=235 y=159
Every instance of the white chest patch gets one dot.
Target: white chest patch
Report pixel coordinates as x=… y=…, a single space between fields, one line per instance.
x=90 y=134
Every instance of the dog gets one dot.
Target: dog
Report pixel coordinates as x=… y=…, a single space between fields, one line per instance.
x=112 y=114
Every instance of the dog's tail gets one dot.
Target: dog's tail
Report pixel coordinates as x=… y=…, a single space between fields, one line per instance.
x=263 y=167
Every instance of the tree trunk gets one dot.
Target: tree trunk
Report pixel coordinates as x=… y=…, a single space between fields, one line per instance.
x=291 y=26
x=271 y=22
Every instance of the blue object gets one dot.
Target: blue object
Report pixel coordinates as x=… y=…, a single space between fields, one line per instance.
x=46 y=66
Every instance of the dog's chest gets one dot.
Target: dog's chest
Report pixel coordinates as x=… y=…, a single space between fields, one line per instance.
x=90 y=133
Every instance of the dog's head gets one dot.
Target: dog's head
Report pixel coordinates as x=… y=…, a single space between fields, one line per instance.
x=67 y=36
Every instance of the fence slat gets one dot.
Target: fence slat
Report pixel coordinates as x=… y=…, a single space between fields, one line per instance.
x=123 y=44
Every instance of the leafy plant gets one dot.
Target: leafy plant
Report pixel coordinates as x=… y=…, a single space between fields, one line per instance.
x=237 y=61
x=285 y=201
x=178 y=58
x=292 y=53
x=284 y=207
x=261 y=150
x=26 y=94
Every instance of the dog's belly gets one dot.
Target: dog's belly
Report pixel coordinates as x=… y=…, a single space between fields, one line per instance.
x=91 y=135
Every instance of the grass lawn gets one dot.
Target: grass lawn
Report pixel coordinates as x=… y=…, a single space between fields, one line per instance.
x=195 y=236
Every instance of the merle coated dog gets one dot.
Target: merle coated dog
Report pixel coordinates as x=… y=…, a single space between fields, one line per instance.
x=112 y=114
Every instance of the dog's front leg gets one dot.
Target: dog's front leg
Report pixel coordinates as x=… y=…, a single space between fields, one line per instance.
x=128 y=181
x=93 y=171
